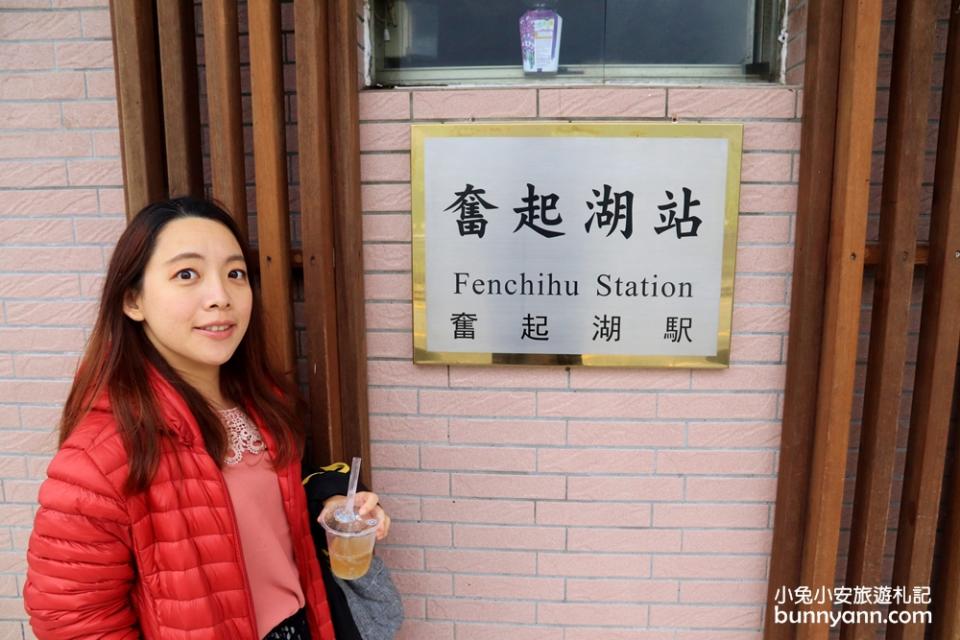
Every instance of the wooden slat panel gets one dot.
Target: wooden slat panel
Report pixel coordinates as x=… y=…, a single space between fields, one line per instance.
x=873 y=254
x=181 y=108
x=902 y=178
x=138 y=101
x=933 y=390
x=221 y=50
x=348 y=241
x=809 y=275
x=316 y=219
x=859 y=51
x=270 y=160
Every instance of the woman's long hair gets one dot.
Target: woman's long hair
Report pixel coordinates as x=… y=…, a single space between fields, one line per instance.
x=119 y=352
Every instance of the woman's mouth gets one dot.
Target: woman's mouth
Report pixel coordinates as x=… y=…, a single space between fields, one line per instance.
x=217 y=331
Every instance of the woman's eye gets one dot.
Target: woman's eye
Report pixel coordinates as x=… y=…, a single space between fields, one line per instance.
x=239 y=274
x=186 y=274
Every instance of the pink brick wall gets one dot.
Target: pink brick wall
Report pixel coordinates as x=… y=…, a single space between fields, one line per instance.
x=796 y=41
x=61 y=209
x=492 y=473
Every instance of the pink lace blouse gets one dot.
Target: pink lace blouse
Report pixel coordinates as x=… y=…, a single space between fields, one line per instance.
x=262 y=524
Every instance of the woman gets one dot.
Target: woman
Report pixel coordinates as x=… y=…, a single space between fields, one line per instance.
x=173 y=508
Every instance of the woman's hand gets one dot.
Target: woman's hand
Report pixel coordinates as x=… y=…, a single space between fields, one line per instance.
x=367 y=503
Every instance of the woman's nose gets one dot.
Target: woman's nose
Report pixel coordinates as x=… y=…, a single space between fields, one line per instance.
x=217 y=294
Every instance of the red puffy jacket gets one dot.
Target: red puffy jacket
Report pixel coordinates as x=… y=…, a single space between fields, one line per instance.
x=165 y=563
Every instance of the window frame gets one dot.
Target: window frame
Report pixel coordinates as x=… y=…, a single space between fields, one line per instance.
x=766 y=42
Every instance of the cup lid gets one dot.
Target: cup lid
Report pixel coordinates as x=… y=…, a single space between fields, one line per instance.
x=338 y=522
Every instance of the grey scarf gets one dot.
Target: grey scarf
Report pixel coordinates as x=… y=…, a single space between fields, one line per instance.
x=374 y=602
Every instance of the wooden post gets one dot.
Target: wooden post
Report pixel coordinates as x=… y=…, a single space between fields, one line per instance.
x=181 y=107
x=902 y=178
x=270 y=160
x=138 y=102
x=806 y=302
x=222 y=59
x=316 y=220
x=859 y=51
x=933 y=390
x=348 y=228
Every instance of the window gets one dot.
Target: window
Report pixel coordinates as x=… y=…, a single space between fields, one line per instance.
x=478 y=41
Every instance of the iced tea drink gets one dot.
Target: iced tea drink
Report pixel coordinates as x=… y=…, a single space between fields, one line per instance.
x=350 y=557
x=350 y=541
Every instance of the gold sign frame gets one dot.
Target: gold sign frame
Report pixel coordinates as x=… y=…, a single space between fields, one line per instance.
x=419 y=133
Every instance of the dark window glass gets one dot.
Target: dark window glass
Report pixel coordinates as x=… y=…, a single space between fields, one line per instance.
x=679 y=32
x=467 y=33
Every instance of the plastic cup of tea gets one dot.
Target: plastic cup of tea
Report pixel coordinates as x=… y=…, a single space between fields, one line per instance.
x=350 y=541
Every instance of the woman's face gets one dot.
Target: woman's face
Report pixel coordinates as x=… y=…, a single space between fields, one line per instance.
x=196 y=299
